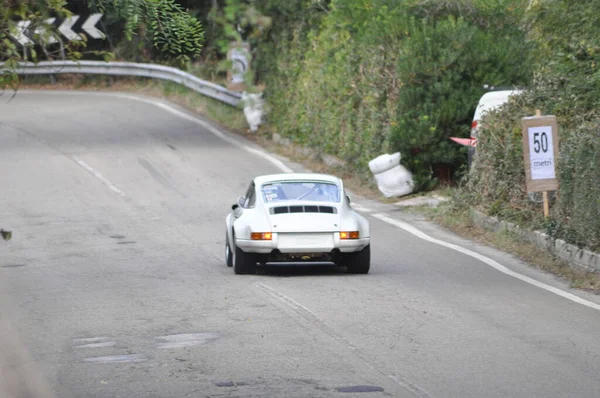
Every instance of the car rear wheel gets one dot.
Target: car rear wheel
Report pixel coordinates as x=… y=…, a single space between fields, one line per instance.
x=359 y=262
x=228 y=253
x=244 y=263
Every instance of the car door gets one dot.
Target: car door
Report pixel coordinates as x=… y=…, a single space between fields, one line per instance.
x=249 y=201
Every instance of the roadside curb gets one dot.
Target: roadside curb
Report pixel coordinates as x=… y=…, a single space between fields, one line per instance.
x=581 y=259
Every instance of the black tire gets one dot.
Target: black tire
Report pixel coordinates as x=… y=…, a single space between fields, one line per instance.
x=244 y=263
x=359 y=262
x=228 y=253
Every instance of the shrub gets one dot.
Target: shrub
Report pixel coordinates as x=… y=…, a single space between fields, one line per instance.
x=381 y=76
x=567 y=84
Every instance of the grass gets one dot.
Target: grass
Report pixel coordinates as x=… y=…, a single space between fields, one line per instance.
x=459 y=221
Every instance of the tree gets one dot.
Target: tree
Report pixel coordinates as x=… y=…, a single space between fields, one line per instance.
x=176 y=35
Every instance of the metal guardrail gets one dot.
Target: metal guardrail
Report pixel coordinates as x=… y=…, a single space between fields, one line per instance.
x=192 y=82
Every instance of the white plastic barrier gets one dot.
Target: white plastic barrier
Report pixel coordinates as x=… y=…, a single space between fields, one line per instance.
x=392 y=178
x=253 y=109
x=384 y=163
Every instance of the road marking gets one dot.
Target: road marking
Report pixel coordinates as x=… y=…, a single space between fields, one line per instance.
x=186 y=340
x=492 y=263
x=117 y=358
x=266 y=156
x=361 y=208
x=91 y=340
x=94 y=342
x=97 y=345
x=314 y=318
x=98 y=176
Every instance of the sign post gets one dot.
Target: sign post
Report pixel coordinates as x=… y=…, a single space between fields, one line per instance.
x=239 y=55
x=540 y=153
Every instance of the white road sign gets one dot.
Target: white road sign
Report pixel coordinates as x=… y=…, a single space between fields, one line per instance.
x=541 y=153
x=66 y=28
x=239 y=58
x=22 y=33
x=89 y=26
x=18 y=33
x=43 y=32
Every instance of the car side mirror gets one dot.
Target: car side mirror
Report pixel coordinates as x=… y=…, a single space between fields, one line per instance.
x=234 y=206
x=348 y=199
x=241 y=200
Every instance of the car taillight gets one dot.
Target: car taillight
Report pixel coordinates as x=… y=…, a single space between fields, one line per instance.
x=474 y=124
x=261 y=236
x=349 y=235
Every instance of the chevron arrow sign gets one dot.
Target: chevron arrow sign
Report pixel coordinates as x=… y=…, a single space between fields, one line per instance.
x=71 y=28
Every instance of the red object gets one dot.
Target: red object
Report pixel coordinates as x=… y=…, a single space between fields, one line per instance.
x=474 y=124
x=465 y=141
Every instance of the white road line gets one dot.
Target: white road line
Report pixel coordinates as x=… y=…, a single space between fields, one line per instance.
x=314 y=318
x=91 y=340
x=361 y=208
x=278 y=163
x=287 y=300
x=98 y=176
x=494 y=264
x=97 y=345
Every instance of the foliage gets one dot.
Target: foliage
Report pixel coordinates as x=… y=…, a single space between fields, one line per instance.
x=444 y=66
x=497 y=180
x=364 y=77
x=11 y=52
x=567 y=85
x=568 y=42
x=177 y=35
x=240 y=21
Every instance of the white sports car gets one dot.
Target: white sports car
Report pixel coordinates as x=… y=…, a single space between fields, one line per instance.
x=294 y=219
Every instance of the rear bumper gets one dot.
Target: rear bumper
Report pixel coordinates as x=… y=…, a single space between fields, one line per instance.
x=304 y=243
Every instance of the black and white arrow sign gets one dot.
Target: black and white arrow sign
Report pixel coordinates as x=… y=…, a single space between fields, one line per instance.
x=66 y=28
x=18 y=33
x=89 y=26
x=45 y=36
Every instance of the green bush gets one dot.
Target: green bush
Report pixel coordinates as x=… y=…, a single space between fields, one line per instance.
x=386 y=76
x=496 y=183
x=567 y=84
x=578 y=212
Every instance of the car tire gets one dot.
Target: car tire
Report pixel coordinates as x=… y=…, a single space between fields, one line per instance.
x=244 y=263
x=359 y=262
x=228 y=253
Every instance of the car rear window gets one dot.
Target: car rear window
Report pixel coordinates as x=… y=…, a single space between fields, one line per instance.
x=312 y=191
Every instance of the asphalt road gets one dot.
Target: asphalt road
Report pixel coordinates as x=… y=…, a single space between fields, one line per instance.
x=115 y=282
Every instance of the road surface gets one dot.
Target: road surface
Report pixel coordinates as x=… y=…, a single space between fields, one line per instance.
x=115 y=283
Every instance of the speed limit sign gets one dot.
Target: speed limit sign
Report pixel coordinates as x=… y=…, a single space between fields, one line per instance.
x=540 y=152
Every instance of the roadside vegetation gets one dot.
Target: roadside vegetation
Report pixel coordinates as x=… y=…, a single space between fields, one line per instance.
x=566 y=84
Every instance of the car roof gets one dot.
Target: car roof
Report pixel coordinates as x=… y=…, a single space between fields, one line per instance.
x=263 y=179
x=493 y=100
